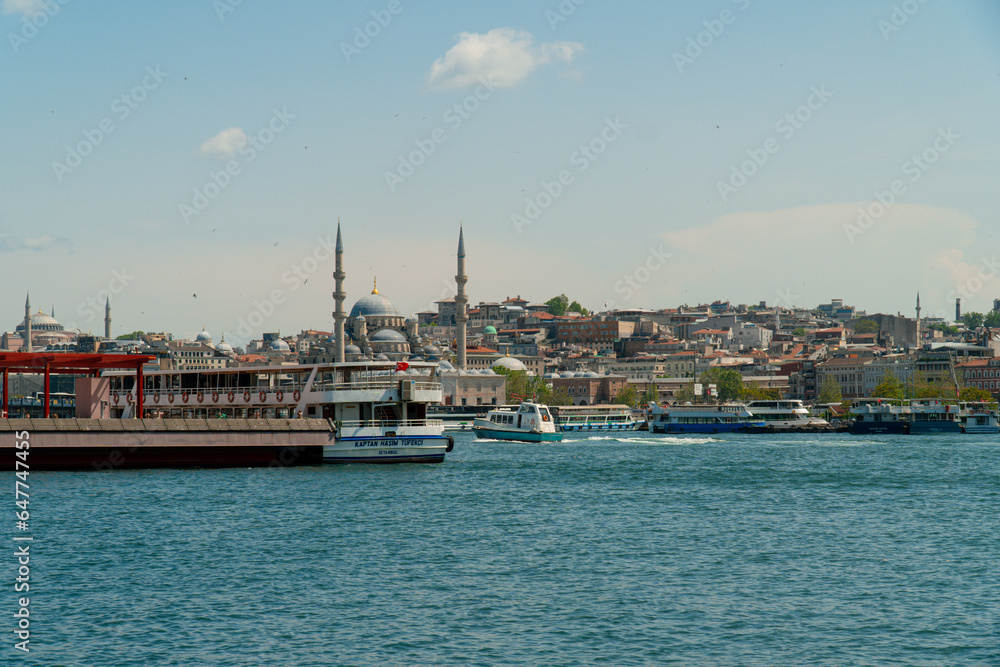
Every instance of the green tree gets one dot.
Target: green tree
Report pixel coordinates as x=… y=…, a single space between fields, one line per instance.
x=830 y=391
x=135 y=335
x=890 y=387
x=992 y=319
x=558 y=305
x=976 y=394
x=577 y=308
x=799 y=331
x=972 y=320
x=685 y=394
x=650 y=395
x=627 y=395
x=728 y=383
x=752 y=391
x=866 y=326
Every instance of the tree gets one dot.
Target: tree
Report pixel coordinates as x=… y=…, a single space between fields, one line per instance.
x=728 y=383
x=577 y=308
x=830 y=391
x=866 y=326
x=799 y=331
x=651 y=395
x=890 y=387
x=752 y=391
x=685 y=394
x=135 y=335
x=992 y=319
x=972 y=320
x=627 y=395
x=976 y=394
x=558 y=305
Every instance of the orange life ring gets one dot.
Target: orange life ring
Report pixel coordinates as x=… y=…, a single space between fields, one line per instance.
x=117 y=398
x=246 y=396
x=263 y=395
x=156 y=397
x=201 y=397
x=297 y=395
x=279 y=395
x=184 y=397
x=128 y=398
x=215 y=397
x=170 y=398
x=231 y=397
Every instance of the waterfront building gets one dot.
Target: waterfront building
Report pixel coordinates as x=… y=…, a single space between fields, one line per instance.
x=849 y=373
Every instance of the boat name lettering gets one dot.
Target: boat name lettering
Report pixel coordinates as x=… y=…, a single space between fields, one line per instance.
x=412 y=442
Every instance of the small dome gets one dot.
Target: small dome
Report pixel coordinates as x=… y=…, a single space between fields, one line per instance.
x=490 y=330
x=374 y=304
x=278 y=345
x=381 y=357
x=352 y=349
x=360 y=318
x=510 y=363
x=416 y=357
x=224 y=347
x=413 y=319
x=388 y=336
x=203 y=337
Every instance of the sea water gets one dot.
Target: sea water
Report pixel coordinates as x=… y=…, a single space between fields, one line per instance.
x=633 y=550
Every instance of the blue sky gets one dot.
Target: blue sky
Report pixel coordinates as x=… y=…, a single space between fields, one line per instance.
x=676 y=153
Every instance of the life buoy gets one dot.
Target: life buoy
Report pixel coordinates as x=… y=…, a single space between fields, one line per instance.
x=156 y=397
x=170 y=398
x=231 y=397
x=215 y=397
x=117 y=398
x=279 y=395
x=184 y=397
x=297 y=395
x=545 y=417
x=263 y=395
x=246 y=396
x=201 y=397
x=128 y=398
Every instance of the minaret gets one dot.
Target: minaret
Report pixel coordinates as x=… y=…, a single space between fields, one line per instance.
x=27 y=322
x=918 y=319
x=107 y=319
x=460 y=300
x=338 y=299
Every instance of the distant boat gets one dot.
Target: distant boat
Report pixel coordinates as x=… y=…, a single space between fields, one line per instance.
x=784 y=413
x=879 y=416
x=932 y=416
x=530 y=422
x=595 y=418
x=979 y=417
x=729 y=418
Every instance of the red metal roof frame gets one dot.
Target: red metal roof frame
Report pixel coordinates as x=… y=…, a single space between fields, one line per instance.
x=68 y=363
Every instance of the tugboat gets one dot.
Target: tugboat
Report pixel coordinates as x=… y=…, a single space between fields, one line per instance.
x=530 y=422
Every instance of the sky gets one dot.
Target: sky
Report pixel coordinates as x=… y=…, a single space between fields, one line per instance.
x=192 y=159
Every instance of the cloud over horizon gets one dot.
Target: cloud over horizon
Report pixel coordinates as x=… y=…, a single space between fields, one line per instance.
x=504 y=56
x=26 y=7
x=10 y=243
x=225 y=143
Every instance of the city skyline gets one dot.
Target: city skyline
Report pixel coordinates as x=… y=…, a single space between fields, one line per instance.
x=193 y=163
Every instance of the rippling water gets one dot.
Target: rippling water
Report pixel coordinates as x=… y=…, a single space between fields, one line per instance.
x=728 y=550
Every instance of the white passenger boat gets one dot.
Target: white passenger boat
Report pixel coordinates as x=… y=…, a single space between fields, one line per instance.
x=530 y=422
x=784 y=414
x=979 y=417
x=728 y=418
x=378 y=412
x=933 y=416
x=595 y=418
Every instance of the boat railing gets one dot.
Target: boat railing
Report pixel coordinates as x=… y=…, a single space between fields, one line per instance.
x=379 y=384
x=390 y=423
x=369 y=385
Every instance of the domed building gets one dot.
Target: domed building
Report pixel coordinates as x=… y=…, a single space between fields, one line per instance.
x=376 y=325
x=378 y=310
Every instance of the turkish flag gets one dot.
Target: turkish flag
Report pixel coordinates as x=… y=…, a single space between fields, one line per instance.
x=402 y=366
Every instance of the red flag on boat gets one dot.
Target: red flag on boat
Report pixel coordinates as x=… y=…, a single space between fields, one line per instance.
x=402 y=366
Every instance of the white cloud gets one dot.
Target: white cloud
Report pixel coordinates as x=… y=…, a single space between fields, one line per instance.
x=26 y=7
x=10 y=243
x=503 y=56
x=225 y=143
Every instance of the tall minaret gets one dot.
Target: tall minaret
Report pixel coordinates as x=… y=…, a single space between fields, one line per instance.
x=918 y=320
x=461 y=299
x=27 y=322
x=338 y=299
x=107 y=319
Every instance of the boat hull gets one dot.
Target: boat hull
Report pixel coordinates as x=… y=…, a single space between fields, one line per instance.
x=702 y=428
x=924 y=428
x=385 y=449
x=876 y=428
x=629 y=426
x=518 y=436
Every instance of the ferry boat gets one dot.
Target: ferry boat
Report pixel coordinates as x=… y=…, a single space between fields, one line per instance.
x=530 y=422
x=932 y=416
x=378 y=409
x=784 y=414
x=979 y=417
x=879 y=416
x=595 y=418
x=728 y=418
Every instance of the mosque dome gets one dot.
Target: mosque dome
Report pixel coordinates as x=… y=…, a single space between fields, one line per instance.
x=490 y=330
x=374 y=305
x=413 y=318
x=224 y=347
x=42 y=322
x=352 y=349
x=278 y=345
x=510 y=363
x=203 y=337
x=388 y=336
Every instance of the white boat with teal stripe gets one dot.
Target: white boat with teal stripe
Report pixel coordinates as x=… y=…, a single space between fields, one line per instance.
x=530 y=422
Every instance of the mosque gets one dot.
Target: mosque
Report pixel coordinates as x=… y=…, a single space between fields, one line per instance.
x=39 y=331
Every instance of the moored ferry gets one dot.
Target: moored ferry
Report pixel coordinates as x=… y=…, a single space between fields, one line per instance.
x=878 y=416
x=377 y=409
x=530 y=422
x=595 y=418
x=784 y=414
x=728 y=418
x=979 y=417
x=933 y=416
